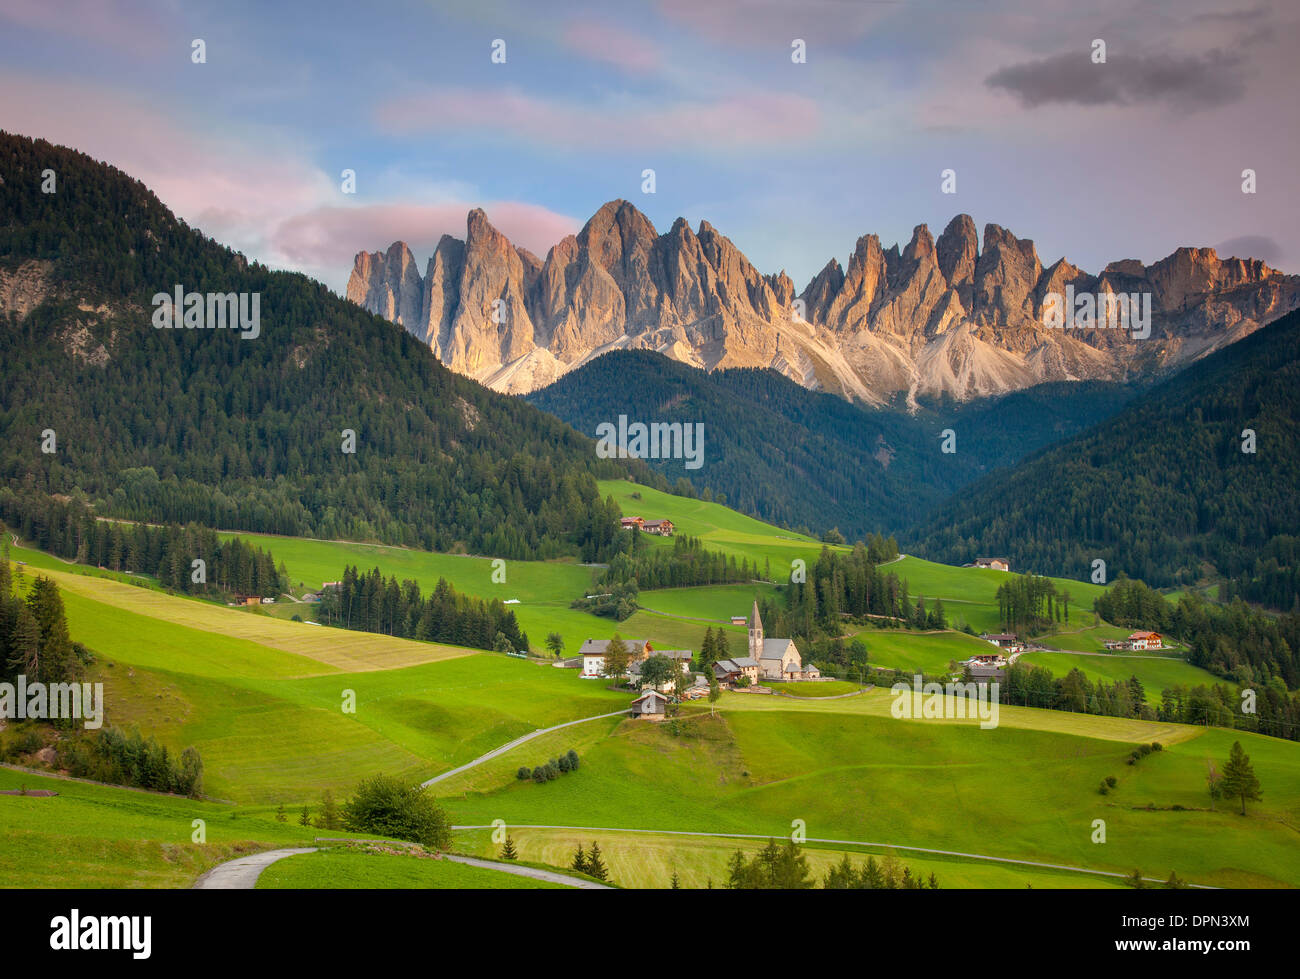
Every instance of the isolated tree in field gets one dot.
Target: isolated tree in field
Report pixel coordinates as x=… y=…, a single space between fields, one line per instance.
x=715 y=691
x=579 y=862
x=508 y=850
x=280 y=816
x=555 y=643
x=674 y=884
x=1239 y=781
x=304 y=817
x=616 y=656
x=595 y=865
x=385 y=806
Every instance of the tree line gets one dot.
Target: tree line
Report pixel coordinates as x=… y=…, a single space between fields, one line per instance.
x=69 y=529
x=370 y=603
x=1234 y=641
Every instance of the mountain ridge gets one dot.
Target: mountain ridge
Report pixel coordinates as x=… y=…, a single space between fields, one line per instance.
x=938 y=317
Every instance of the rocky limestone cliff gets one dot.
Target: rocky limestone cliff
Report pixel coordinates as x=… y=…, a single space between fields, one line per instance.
x=936 y=318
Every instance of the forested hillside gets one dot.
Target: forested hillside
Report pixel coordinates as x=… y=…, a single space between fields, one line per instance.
x=204 y=426
x=802 y=459
x=1163 y=491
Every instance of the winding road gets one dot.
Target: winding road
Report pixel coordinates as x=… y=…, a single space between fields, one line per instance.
x=242 y=874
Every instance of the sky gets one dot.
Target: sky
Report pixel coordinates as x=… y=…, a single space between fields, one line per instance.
x=792 y=160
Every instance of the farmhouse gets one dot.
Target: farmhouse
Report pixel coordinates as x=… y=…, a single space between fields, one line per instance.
x=996 y=563
x=1138 y=640
x=651 y=705
x=631 y=523
x=593 y=654
x=778 y=659
x=681 y=656
x=731 y=670
x=1004 y=641
x=664 y=528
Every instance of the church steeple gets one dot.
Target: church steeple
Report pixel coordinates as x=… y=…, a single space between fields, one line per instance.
x=755 y=634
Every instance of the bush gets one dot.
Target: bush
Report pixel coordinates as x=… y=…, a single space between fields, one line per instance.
x=386 y=806
x=572 y=757
x=524 y=773
x=539 y=774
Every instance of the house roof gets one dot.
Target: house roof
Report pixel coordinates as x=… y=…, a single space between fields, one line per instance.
x=598 y=647
x=743 y=661
x=1143 y=635
x=649 y=694
x=999 y=637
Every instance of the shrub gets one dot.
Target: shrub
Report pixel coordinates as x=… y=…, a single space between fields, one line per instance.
x=572 y=756
x=524 y=773
x=388 y=807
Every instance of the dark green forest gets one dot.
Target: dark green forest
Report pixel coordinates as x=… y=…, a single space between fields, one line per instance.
x=813 y=461
x=202 y=427
x=371 y=603
x=1163 y=491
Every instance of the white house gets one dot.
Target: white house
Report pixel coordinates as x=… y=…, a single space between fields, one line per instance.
x=593 y=654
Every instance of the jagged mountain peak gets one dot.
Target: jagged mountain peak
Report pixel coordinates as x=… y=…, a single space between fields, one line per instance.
x=954 y=316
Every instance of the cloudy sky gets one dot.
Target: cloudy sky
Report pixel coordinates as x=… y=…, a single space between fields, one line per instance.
x=793 y=161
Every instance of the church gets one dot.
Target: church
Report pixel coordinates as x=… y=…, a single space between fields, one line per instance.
x=778 y=659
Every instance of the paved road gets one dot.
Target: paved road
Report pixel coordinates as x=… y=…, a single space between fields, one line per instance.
x=514 y=744
x=889 y=846
x=518 y=871
x=242 y=874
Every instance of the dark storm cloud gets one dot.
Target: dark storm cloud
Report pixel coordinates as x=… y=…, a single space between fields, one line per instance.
x=1195 y=81
x=1251 y=246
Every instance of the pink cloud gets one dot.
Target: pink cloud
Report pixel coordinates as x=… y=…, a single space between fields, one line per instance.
x=604 y=42
x=105 y=23
x=330 y=236
x=759 y=119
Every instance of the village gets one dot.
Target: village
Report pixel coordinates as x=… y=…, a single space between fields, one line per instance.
x=766 y=660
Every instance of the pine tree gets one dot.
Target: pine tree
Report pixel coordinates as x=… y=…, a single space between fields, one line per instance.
x=595 y=865
x=1238 y=779
x=508 y=850
x=304 y=817
x=579 y=862
x=280 y=816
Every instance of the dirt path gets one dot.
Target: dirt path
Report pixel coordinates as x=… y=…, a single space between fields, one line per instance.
x=514 y=744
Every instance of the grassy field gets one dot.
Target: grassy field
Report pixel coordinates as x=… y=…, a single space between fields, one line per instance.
x=99 y=836
x=649 y=860
x=270 y=724
x=854 y=775
x=338 y=868
x=1155 y=672
x=926 y=652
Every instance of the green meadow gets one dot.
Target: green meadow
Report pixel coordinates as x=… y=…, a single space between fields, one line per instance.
x=101 y=836
x=1155 y=672
x=1012 y=792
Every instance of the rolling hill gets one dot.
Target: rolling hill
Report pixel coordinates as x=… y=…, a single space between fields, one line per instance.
x=812 y=460
x=329 y=422
x=1194 y=480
